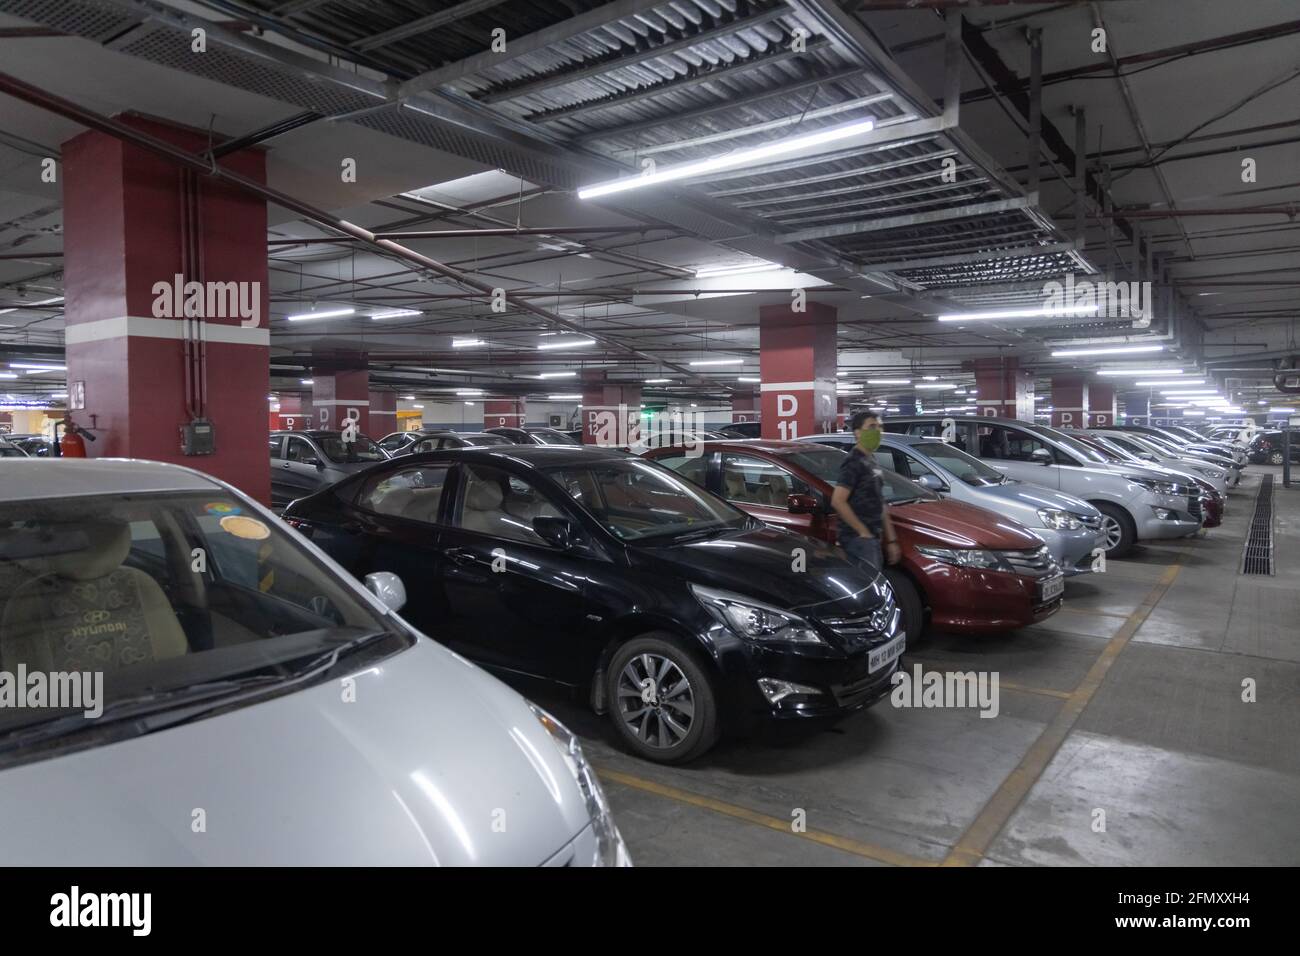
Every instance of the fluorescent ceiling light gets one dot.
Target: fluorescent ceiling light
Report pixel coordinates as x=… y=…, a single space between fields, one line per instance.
x=466 y=343
x=417 y=406
x=748 y=378
x=568 y=345
x=729 y=361
x=306 y=381
x=657 y=381
x=328 y=314
x=1170 y=381
x=746 y=269
x=561 y=398
x=733 y=160
x=1040 y=398
x=1109 y=350
x=1193 y=413
x=1271 y=411
x=46 y=371
x=469 y=391
x=39 y=366
x=396 y=313
x=1042 y=312
x=1141 y=371
x=557 y=375
x=8 y=374
x=889 y=381
x=939 y=385
x=470 y=404
x=407 y=398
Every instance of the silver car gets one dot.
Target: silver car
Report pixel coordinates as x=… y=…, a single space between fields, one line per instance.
x=228 y=696
x=303 y=463
x=1069 y=526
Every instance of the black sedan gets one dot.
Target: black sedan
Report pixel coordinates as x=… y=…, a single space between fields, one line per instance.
x=1266 y=448
x=668 y=609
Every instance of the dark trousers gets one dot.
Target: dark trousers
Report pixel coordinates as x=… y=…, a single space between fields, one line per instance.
x=865 y=551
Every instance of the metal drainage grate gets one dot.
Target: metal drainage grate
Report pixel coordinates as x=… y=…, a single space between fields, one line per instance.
x=1258 y=557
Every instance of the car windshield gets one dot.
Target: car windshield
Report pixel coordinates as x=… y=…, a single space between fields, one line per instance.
x=636 y=500
x=157 y=595
x=898 y=490
x=1121 y=448
x=1087 y=452
x=545 y=436
x=823 y=461
x=970 y=470
x=363 y=449
x=1158 y=445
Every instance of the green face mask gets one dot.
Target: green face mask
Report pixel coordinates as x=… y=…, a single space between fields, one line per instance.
x=869 y=440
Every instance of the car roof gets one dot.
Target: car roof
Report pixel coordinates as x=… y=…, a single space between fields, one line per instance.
x=30 y=479
x=538 y=456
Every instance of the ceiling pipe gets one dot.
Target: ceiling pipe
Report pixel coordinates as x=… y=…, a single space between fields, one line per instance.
x=475 y=234
x=49 y=102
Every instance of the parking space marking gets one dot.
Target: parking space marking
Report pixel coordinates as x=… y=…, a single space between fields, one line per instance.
x=979 y=836
x=858 y=848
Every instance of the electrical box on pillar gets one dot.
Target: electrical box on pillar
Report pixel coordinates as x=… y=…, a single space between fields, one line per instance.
x=198 y=438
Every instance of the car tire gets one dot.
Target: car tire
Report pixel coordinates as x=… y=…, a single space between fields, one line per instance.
x=1118 y=527
x=660 y=734
x=909 y=603
x=1275 y=458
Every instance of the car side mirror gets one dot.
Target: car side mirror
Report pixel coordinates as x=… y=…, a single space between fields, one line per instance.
x=559 y=532
x=801 y=504
x=1041 y=455
x=1149 y=457
x=388 y=587
x=932 y=483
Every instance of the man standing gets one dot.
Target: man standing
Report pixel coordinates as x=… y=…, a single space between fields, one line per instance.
x=858 y=499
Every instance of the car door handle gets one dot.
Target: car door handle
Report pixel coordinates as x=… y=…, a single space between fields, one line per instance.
x=461 y=556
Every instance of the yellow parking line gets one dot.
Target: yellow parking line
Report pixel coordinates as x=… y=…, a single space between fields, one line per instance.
x=856 y=847
x=1044 y=691
x=979 y=836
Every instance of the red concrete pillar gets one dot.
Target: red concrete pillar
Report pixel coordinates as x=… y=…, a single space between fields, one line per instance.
x=744 y=408
x=133 y=293
x=797 y=365
x=611 y=414
x=340 y=394
x=1005 y=389
x=1101 y=405
x=383 y=414
x=1069 y=401
x=288 y=414
x=505 y=412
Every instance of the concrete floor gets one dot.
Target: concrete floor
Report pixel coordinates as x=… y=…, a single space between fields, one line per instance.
x=1128 y=701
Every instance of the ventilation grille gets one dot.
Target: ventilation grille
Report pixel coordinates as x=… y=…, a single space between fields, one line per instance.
x=1258 y=558
x=79 y=19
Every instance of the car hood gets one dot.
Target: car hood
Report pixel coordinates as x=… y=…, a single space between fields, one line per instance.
x=433 y=762
x=1034 y=497
x=956 y=524
x=759 y=563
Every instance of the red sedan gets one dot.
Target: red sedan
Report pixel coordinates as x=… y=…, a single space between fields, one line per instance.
x=969 y=568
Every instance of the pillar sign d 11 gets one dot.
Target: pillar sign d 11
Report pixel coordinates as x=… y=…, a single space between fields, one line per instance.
x=787 y=410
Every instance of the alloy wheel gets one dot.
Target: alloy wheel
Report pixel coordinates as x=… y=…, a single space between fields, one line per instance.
x=656 y=700
x=1111 y=531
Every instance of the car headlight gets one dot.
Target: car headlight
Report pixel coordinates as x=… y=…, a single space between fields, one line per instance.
x=1158 y=486
x=755 y=620
x=610 y=849
x=967 y=558
x=1059 y=520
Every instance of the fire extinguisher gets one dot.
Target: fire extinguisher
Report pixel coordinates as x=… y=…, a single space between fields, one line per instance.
x=73 y=444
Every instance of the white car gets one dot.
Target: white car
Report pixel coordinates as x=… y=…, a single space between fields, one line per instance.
x=1136 y=503
x=255 y=706
x=1158 y=453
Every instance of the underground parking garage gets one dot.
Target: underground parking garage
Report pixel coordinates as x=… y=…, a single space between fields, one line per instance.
x=712 y=433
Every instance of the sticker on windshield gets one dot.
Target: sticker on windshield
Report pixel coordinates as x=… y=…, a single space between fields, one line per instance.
x=222 y=508
x=242 y=526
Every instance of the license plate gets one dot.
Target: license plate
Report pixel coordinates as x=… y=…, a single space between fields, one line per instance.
x=886 y=654
x=1051 y=589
